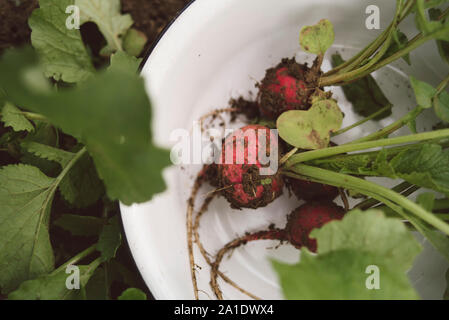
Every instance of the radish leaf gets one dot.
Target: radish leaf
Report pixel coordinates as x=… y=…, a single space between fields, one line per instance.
x=61 y=50
x=134 y=42
x=133 y=294
x=13 y=117
x=81 y=186
x=424 y=92
x=46 y=152
x=425 y=165
x=365 y=94
x=110 y=239
x=126 y=160
x=107 y=16
x=25 y=199
x=441 y=105
x=310 y=129
x=318 y=38
x=53 y=286
x=341 y=270
x=80 y=225
x=443 y=46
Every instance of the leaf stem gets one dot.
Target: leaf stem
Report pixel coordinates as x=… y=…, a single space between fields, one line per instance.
x=398 y=124
x=35 y=116
x=80 y=256
x=31 y=116
x=340 y=79
x=322 y=153
x=370 y=49
x=69 y=165
x=443 y=84
x=359 y=123
x=288 y=155
x=381 y=193
x=371 y=202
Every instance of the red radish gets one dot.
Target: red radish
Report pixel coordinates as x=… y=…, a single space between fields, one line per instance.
x=307 y=217
x=312 y=191
x=301 y=222
x=284 y=88
x=240 y=181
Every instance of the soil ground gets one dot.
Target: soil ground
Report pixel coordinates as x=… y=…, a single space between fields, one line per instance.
x=150 y=17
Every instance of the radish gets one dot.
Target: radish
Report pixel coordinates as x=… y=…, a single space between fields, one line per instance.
x=288 y=86
x=312 y=191
x=300 y=223
x=241 y=183
x=307 y=217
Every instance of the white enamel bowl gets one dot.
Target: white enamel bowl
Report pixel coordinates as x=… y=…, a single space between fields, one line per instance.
x=216 y=50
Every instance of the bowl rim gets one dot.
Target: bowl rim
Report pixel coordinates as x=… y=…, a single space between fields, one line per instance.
x=161 y=34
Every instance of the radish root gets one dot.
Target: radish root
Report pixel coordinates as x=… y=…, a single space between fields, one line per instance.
x=190 y=207
x=273 y=234
x=205 y=254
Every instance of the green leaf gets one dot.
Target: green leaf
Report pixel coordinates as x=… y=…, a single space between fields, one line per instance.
x=133 y=294
x=340 y=275
x=439 y=240
x=110 y=114
x=365 y=94
x=134 y=42
x=424 y=92
x=46 y=152
x=310 y=129
x=400 y=42
x=441 y=106
x=61 y=50
x=80 y=225
x=53 y=286
x=340 y=270
x=110 y=239
x=123 y=62
x=426 y=200
x=443 y=46
x=82 y=187
x=26 y=195
x=44 y=134
x=375 y=234
x=432 y=3
x=317 y=38
x=422 y=22
x=97 y=287
x=425 y=165
x=12 y=117
x=119 y=272
x=107 y=16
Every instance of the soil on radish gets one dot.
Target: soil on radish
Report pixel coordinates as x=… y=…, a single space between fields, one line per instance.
x=248 y=108
x=288 y=86
x=241 y=184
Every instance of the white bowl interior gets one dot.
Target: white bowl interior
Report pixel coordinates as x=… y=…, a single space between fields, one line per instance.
x=217 y=50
